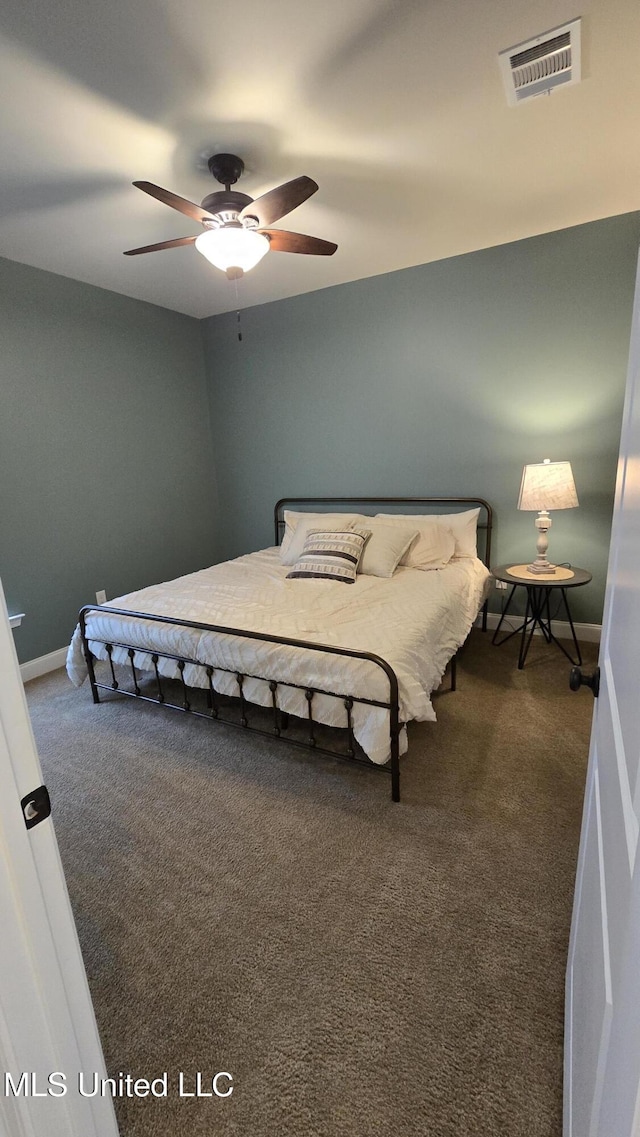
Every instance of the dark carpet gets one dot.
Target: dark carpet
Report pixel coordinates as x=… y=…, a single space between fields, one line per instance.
x=360 y=968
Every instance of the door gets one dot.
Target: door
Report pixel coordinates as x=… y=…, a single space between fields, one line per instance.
x=47 y=1024
x=602 y=1047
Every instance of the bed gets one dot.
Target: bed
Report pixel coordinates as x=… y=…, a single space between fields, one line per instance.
x=273 y=653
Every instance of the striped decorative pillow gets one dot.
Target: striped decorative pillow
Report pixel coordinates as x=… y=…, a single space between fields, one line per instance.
x=329 y=554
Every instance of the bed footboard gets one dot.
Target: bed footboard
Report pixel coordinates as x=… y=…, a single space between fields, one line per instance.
x=214 y=705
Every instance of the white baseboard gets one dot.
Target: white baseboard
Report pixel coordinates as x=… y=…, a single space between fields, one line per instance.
x=586 y=633
x=44 y=663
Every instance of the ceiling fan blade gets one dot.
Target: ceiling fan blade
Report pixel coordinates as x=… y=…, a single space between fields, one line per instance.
x=175 y=244
x=196 y=212
x=281 y=241
x=276 y=203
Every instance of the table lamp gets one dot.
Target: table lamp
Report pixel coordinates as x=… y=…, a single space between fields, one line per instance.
x=546 y=485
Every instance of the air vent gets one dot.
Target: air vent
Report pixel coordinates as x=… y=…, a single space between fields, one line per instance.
x=541 y=65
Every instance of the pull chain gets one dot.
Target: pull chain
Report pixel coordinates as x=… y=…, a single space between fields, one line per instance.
x=238 y=311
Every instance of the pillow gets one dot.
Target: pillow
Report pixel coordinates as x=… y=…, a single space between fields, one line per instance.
x=385 y=548
x=434 y=546
x=464 y=528
x=330 y=555
x=297 y=527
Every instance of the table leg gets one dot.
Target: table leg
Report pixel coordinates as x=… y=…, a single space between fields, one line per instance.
x=546 y=627
x=537 y=615
x=524 y=642
x=502 y=619
x=578 y=661
x=545 y=598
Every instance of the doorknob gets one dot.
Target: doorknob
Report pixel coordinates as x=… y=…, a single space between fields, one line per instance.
x=578 y=680
x=36 y=806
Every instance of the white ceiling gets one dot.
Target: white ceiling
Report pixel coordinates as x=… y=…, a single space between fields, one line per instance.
x=395 y=107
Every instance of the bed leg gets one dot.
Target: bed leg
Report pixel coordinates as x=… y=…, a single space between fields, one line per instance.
x=395 y=757
x=485 y=609
x=454 y=670
x=88 y=656
x=92 y=676
x=395 y=773
x=394 y=733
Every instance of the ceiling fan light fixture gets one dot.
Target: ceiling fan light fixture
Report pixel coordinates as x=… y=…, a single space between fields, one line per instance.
x=232 y=247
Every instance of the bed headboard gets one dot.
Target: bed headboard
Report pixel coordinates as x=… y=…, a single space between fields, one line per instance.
x=415 y=504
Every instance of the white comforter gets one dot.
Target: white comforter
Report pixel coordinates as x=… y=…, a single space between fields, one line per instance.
x=415 y=621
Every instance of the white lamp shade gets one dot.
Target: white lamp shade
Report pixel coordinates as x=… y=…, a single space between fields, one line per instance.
x=232 y=247
x=547 y=485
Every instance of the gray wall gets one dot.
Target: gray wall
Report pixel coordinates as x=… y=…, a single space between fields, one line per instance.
x=441 y=379
x=106 y=466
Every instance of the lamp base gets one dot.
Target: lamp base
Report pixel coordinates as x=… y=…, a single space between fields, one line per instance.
x=542 y=567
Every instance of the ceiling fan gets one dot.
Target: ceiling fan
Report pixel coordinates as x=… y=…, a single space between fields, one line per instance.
x=237 y=231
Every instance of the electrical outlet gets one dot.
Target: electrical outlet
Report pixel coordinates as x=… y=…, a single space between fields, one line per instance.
x=501 y=584
x=101 y=596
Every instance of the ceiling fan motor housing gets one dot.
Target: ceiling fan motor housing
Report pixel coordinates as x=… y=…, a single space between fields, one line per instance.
x=225 y=202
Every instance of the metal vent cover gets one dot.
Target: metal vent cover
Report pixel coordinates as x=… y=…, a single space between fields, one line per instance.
x=540 y=65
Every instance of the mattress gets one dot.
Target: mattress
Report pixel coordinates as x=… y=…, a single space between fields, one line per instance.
x=415 y=621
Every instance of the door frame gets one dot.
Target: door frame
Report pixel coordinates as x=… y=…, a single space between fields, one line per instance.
x=616 y=769
x=47 y=1022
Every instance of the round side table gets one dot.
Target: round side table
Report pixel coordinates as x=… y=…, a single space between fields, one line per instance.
x=538 y=612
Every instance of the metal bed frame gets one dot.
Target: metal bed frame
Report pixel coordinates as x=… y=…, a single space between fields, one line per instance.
x=280 y=718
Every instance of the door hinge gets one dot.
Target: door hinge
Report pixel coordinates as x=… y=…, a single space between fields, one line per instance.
x=36 y=806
